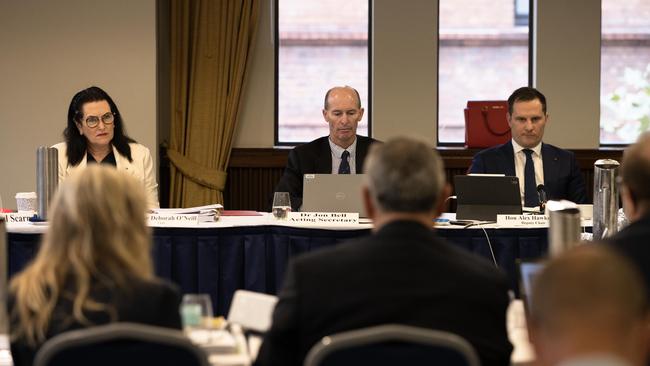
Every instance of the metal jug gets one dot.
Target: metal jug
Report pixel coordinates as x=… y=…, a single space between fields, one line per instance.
x=563 y=226
x=605 y=219
x=47 y=178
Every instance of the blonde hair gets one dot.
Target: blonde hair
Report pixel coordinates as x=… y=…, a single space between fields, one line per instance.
x=97 y=234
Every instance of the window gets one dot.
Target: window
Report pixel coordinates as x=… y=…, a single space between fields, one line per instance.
x=483 y=55
x=320 y=44
x=625 y=71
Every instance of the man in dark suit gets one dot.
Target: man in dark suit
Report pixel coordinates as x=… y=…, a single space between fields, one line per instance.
x=342 y=152
x=403 y=273
x=633 y=241
x=526 y=157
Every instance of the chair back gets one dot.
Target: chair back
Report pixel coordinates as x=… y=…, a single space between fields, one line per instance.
x=392 y=345
x=121 y=344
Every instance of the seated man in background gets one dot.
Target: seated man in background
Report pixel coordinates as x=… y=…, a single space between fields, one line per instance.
x=526 y=157
x=342 y=152
x=588 y=307
x=633 y=240
x=403 y=273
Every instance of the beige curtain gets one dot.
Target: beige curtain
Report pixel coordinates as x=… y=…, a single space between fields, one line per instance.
x=211 y=43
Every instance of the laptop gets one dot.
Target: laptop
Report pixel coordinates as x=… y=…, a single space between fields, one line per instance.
x=332 y=193
x=528 y=270
x=483 y=197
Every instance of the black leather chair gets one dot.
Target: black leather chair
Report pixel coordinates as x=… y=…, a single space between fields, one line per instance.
x=121 y=344
x=392 y=345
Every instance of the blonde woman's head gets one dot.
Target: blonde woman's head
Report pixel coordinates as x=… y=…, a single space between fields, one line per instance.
x=98 y=222
x=97 y=234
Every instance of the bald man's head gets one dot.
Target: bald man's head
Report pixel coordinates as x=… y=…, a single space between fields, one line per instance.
x=342 y=112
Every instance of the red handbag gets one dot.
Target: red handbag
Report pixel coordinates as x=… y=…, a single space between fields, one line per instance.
x=486 y=123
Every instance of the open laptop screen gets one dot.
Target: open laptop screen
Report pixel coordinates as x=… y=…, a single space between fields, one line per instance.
x=332 y=193
x=483 y=197
x=528 y=270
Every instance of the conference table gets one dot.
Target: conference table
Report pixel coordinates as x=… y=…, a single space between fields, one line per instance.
x=252 y=252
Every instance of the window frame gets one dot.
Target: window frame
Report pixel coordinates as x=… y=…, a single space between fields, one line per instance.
x=276 y=57
x=531 y=20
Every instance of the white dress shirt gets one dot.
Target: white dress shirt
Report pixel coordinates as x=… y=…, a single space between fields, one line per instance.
x=520 y=164
x=337 y=151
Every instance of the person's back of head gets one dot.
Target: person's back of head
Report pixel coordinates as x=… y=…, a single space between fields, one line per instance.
x=635 y=176
x=97 y=234
x=404 y=176
x=589 y=302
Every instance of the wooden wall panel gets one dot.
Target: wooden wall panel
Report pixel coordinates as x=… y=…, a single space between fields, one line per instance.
x=253 y=173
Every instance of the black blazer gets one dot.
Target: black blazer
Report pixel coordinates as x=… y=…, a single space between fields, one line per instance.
x=562 y=177
x=402 y=274
x=314 y=158
x=633 y=242
x=153 y=303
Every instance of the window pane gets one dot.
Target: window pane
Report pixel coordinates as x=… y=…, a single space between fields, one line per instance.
x=483 y=56
x=625 y=71
x=322 y=44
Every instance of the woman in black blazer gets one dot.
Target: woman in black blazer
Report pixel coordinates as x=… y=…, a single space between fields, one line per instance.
x=94 y=265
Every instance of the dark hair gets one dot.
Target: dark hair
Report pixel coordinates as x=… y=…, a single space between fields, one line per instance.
x=635 y=169
x=75 y=142
x=327 y=95
x=525 y=94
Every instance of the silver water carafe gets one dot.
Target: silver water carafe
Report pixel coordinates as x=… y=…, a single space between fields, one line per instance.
x=605 y=218
x=47 y=178
x=563 y=226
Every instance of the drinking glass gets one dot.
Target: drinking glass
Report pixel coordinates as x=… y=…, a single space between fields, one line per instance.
x=196 y=311
x=281 y=205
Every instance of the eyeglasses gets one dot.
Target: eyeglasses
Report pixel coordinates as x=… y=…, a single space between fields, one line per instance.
x=107 y=118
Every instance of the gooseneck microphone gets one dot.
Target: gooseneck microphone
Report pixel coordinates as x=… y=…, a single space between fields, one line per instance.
x=543 y=197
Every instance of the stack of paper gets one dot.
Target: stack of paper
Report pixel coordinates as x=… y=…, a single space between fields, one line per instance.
x=208 y=213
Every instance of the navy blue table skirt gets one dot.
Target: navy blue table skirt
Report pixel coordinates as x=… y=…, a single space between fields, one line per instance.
x=219 y=261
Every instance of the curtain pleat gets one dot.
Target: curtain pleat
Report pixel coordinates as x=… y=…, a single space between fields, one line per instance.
x=211 y=44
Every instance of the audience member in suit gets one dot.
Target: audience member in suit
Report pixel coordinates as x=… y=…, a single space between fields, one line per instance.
x=551 y=166
x=633 y=240
x=325 y=155
x=93 y=267
x=403 y=273
x=95 y=133
x=588 y=307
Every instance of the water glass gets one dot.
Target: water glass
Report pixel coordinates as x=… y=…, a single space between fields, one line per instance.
x=196 y=311
x=281 y=205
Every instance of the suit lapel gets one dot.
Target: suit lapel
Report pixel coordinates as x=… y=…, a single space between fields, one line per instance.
x=508 y=151
x=362 y=151
x=549 y=160
x=324 y=157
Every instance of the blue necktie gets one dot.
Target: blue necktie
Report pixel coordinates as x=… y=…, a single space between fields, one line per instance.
x=344 y=168
x=530 y=187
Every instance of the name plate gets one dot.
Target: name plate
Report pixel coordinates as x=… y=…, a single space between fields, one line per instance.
x=522 y=220
x=173 y=220
x=23 y=216
x=326 y=218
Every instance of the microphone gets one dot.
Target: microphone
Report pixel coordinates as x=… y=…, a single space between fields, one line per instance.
x=541 y=193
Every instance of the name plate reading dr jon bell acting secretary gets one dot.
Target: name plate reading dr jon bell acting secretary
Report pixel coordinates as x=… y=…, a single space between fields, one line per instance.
x=325 y=218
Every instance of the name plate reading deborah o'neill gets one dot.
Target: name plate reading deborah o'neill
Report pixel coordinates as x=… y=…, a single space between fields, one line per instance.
x=325 y=218
x=522 y=220
x=173 y=220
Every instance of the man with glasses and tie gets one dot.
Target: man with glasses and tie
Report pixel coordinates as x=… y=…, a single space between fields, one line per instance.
x=526 y=157
x=342 y=152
